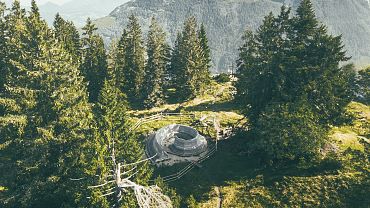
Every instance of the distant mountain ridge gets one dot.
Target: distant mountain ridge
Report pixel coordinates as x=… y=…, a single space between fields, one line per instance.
x=75 y=10
x=79 y=10
x=226 y=21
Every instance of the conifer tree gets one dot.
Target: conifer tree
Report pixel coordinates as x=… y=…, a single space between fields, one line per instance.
x=2 y=47
x=287 y=59
x=118 y=65
x=254 y=73
x=320 y=71
x=191 y=73
x=24 y=35
x=47 y=126
x=113 y=128
x=94 y=61
x=12 y=26
x=15 y=28
x=363 y=83
x=38 y=32
x=156 y=66
x=190 y=51
x=206 y=53
x=290 y=64
x=176 y=62
x=134 y=62
x=67 y=34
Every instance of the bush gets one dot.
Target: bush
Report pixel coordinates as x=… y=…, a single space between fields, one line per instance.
x=222 y=78
x=364 y=85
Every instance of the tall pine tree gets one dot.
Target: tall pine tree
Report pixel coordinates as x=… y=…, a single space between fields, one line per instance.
x=206 y=53
x=134 y=62
x=94 y=61
x=189 y=67
x=176 y=62
x=2 y=47
x=363 y=83
x=113 y=130
x=46 y=130
x=68 y=35
x=291 y=65
x=156 y=66
x=287 y=59
x=118 y=61
x=46 y=124
x=325 y=82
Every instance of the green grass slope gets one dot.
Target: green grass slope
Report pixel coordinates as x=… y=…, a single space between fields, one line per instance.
x=235 y=177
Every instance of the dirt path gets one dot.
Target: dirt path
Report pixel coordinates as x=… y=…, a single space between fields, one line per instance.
x=219 y=197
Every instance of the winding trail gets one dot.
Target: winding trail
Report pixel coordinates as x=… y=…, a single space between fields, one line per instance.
x=219 y=197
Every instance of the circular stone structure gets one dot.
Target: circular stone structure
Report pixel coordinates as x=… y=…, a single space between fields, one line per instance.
x=174 y=142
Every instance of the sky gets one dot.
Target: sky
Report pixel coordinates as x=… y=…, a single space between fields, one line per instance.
x=40 y=2
x=78 y=12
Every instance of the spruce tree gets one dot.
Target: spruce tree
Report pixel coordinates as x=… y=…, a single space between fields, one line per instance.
x=287 y=59
x=12 y=26
x=363 y=83
x=118 y=65
x=113 y=128
x=258 y=69
x=206 y=53
x=318 y=65
x=68 y=35
x=248 y=77
x=37 y=32
x=192 y=59
x=191 y=74
x=46 y=124
x=288 y=64
x=176 y=62
x=94 y=61
x=3 y=51
x=156 y=66
x=47 y=128
x=15 y=30
x=134 y=62
x=204 y=44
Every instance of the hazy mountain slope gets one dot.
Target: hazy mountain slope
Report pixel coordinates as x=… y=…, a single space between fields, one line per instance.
x=226 y=20
x=74 y=10
x=79 y=10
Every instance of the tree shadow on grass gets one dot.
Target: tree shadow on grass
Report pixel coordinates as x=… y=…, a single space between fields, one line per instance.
x=231 y=163
x=225 y=165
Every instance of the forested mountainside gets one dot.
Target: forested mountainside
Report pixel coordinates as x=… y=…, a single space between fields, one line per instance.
x=225 y=21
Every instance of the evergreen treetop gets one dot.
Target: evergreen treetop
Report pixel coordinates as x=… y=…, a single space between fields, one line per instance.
x=52 y=141
x=156 y=66
x=190 y=67
x=68 y=35
x=133 y=70
x=283 y=62
x=205 y=47
x=291 y=65
x=3 y=50
x=94 y=60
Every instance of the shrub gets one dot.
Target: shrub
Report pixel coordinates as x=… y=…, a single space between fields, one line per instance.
x=222 y=78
